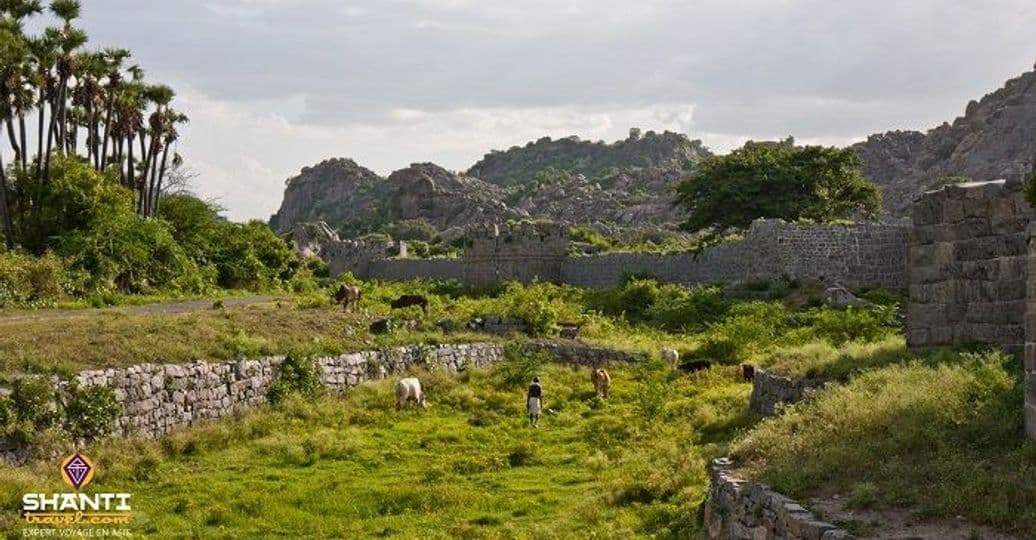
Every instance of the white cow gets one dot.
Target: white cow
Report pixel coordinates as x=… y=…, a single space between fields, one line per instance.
x=407 y=389
x=671 y=357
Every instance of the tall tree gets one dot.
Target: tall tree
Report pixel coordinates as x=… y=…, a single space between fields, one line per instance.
x=777 y=180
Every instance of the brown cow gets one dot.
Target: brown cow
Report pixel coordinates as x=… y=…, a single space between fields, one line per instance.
x=408 y=300
x=602 y=382
x=695 y=366
x=348 y=296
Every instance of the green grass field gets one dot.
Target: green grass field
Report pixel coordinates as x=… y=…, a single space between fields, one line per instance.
x=631 y=466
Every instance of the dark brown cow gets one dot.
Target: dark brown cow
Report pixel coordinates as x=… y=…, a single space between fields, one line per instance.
x=747 y=372
x=408 y=300
x=348 y=296
x=695 y=366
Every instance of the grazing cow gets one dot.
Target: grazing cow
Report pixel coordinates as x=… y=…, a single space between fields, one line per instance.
x=408 y=300
x=695 y=366
x=602 y=382
x=671 y=357
x=747 y=372
x=409 y=389
x=348 y=296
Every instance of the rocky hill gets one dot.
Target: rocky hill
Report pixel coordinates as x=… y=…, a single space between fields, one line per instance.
x=995 y=138
x=626 y=183
x=522 y=164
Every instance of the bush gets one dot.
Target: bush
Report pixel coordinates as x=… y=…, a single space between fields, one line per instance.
x=298 y=374
x=748 y=328
x=36 y=281
x=90 y=412
x=672 y=307
x=854 y=323
x=519 y=368
x=31 y=409
x=133 y=255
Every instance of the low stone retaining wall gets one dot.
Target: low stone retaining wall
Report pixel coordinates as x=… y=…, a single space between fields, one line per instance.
x=574 y=352
x=769 y=389
x=736 y=510
x=157 y=398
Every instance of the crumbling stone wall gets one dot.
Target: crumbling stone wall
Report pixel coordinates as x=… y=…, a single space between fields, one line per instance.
x=769 y=389
x=156 y=398
x=522 y=252
x=854 y=255
x=1030 y=336
x=736 y=510
x=968 y=265
x=353 y=256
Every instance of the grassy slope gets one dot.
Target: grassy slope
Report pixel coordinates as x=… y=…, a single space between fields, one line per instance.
x=631 y=466
x=942 y=435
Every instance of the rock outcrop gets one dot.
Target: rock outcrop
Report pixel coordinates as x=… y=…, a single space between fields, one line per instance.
x=996 y=138
x=521 y=165
x=337 y=191
x=626 y=183
x=445 y=199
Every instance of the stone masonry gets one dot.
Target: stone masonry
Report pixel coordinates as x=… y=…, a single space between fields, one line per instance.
x=157 y=398
x=968 y=265
x=735 y=510
x=857 y=255
x=769 y=389
x=1030 y=337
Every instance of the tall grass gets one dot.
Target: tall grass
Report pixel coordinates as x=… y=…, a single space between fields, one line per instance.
x=468 y=466
x=943 y=435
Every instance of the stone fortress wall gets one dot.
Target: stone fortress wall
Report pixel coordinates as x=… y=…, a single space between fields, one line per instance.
x=968 y=259
x=858 y=255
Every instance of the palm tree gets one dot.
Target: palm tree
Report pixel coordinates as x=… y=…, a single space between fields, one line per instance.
x=114 y=59
x=173 y=119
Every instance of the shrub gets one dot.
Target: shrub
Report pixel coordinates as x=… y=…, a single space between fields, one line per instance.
x=298 y=374
x=854 y=323
x=746 y=330
x=32 y=409
x=519 y=368
x=36 y=281
x=90 y=412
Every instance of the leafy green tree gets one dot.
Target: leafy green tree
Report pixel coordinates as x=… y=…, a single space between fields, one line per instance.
x=411 y=229
x=777 y=180
x=252 y=256
x=74 y=199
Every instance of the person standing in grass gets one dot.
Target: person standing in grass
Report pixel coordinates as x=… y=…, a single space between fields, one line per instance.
x=533 y=403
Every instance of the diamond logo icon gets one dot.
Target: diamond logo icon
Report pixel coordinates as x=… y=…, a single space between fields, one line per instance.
x=77 y=470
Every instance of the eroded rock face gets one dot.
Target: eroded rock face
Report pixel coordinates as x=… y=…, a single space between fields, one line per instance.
x=445 y=199
x=635 y=197
x=336 y=191
x=627 y=183
x=996 y=138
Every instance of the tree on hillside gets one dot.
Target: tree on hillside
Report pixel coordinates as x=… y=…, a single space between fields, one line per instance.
x=777 y=180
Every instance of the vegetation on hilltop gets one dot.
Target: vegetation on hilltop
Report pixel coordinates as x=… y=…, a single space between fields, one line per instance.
x=547 y=160
x=776 y=180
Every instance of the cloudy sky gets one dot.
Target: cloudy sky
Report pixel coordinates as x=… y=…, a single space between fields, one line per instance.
x=275 y=85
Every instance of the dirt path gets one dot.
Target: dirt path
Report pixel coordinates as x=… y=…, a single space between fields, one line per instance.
x=891 y=524
x=145 y=309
